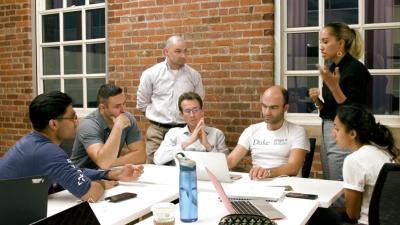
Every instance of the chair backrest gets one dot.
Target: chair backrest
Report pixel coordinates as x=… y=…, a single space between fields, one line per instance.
x=305 y=171
x=384 y=205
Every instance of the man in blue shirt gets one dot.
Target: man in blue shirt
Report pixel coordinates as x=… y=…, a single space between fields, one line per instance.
x=38 y=153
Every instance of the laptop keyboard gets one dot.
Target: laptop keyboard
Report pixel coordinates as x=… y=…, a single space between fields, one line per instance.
x=245 y=207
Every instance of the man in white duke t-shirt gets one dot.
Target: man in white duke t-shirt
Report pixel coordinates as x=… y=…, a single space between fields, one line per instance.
x=278 y=147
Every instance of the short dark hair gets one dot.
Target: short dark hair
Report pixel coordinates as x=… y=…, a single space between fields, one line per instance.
x=285 y=96
x=189 y=96
x=106 y=91
x=46 y=107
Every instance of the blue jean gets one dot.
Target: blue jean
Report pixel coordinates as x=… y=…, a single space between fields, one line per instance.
x=332 y=156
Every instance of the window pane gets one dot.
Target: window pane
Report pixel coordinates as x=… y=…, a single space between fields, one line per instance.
x=386 y=92
x=73 y=59
x=73 y=87
x=95 y=24
x=75 y=3
x=302 y=13
x=299 y=101
x=51 y=85
x=93 y=86
x=382 y=49
x=96 y=1
x=382 y=11
x=72 y=26
x=51 y=29
x=96 y=58
x=51 y=61
x=53 y=4
x=341 y=11
x=302 y=51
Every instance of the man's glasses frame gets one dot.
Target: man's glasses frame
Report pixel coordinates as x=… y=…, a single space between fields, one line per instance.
x=192 y=110
x=75 y=118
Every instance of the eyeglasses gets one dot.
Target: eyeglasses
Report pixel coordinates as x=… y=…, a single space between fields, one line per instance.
x=75 y=117
x=193 y=110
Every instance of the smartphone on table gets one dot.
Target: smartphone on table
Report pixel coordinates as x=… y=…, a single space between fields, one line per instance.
x=120 y=197
x=301 y=195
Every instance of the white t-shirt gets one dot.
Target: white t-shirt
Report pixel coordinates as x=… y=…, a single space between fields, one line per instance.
x=271 y=149
x=360 y=171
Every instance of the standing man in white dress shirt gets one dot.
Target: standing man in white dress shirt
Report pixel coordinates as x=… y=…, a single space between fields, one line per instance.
x=195 y=136
x=159 y=89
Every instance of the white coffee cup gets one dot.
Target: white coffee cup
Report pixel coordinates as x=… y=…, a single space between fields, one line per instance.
x=163 y=213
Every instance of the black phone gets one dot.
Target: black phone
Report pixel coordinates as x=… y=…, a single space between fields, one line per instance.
x=301 y=195
x=121 y=197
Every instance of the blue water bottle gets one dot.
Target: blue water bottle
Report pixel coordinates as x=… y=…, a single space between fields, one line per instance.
x=187 y=189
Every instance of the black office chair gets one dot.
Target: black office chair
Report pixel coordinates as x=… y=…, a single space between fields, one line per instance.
x=384 y=205
x=305 y=171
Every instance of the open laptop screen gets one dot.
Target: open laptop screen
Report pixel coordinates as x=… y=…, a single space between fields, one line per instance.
x=23 y=200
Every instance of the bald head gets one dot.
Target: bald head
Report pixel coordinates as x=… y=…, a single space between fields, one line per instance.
x=277 y=92
x=173 y=40
x=175 y=52
x=273 y=106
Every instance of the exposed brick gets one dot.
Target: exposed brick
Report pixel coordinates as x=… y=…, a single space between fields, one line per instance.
x=230 y=43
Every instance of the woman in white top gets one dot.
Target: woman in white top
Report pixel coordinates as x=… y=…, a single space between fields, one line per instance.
x=372 y=145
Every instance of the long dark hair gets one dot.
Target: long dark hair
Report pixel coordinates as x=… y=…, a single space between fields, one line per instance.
x=356 y=117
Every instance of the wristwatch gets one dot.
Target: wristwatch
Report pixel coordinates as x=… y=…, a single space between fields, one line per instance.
x=269 y=173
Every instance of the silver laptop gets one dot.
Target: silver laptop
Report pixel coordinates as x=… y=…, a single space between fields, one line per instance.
x=255 y=207
x=215 y=162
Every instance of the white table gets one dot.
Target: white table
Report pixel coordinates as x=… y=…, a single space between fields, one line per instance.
x=297 y=211
x=157 y=184
x=160 y=184
x=328 y=191
x=211 y=210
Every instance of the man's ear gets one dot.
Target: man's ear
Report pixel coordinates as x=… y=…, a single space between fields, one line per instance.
x=102 y=107
x=52 y=124
x=165 y=51
x=286 y=107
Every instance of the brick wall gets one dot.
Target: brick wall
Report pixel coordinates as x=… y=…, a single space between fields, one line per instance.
x=230 y=43
x=15 y=70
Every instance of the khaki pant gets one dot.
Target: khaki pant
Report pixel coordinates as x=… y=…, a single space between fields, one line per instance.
x=154 y=136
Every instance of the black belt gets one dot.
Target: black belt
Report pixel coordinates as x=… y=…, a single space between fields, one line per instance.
x=167 y=126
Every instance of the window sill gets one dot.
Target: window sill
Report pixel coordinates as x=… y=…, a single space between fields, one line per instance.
x=305 y=119
x=81 y=113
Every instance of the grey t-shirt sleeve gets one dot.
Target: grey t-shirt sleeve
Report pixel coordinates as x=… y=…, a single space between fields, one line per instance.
x=89 y=132
x=133 y=132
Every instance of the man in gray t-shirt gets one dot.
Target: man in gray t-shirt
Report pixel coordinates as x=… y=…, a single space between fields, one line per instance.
x=103 y=133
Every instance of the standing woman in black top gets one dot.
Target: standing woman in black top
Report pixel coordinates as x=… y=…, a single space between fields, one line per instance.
x=344 y=82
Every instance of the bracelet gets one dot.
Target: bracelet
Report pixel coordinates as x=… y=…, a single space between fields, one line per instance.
x=269 y=173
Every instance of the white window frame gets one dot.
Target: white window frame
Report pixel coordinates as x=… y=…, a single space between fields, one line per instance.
x=281 y=73
x=40 y=11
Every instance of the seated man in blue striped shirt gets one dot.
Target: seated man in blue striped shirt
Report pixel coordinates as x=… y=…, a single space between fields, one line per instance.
x=195 y=136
